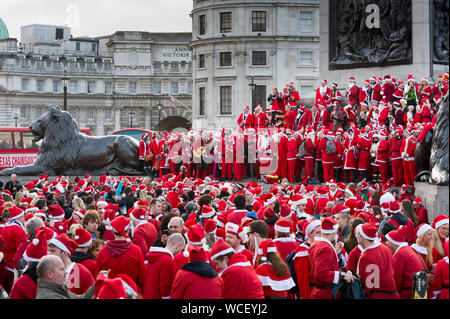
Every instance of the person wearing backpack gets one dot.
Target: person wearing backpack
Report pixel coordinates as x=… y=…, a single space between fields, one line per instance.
x=328 y=147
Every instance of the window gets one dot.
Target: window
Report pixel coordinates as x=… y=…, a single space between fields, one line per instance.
x=39 y=85
x=201 y=93
x=108 y=87
x=28 y=141
x=174 y=87
x=6 y=140
x=90 y=114
x=23 y=112
x=73 y=113
x=225 y=100
x=202 y=24
x=259 y=58
x=132 y=87
x=305 y=89
x=306 y=58
x=189 y=87
x=17 y=140
x=38 y=112
x=59 y=34
x=24 y=85
x=225 y=22
x=55 y=86
x=73 y=86
x=94 y=47
x=91 y=87
x=201 y=61
x=259 y=21
x=108 y=114
x=259 y=97
x=157 y=65
x=174 y=66
x=157 y=88
x=225 y=58
x=77 y=46
x=306 y=22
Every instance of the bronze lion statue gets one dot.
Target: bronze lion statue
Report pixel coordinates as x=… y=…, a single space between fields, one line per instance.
x=66 y=151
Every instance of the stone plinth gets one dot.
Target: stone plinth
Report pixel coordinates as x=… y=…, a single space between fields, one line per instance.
x=434 y=198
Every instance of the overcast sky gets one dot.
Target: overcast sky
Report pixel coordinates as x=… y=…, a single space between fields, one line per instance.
x=98 y=17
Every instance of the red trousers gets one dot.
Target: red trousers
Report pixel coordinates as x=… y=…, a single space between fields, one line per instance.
x=410 y=172
x=328 y=171
x=291 y=169
x=282 y=168
x=309 y=168
x=397 y=172
x=227 y=170
x=383 y=169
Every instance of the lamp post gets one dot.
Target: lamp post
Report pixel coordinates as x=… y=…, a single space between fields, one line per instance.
x=159 y=106
x=16 y=118
x=65 y=81
x=131 y=113
x=252 y=86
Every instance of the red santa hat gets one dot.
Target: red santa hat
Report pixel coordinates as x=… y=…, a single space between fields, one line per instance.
x=55 y=212
x=417 y=201
x=247 y=108
x=40 y=213
x=49 y=233
x=422 y=229
x=439 y=221
x=138 y=214
x=221 y=220
x=63 y=242
x=120 y=225
x=329 y=225
x=210 y=226
x=373 y=78
x=321 y=191
x=368 y=231
x=285 y=211
x=297 y=200
x=195 y=235
x=269 y=199
x=308 y=227
x=207 y=211
x=82 y=237
x=410 y=78
x=128 y=284
x=15 y=212
x=268 y=212
x=324 y=81
x=341 y=186
x=394 y=207
x=237 y=230
x=112 y=289
x=351 y=79
x=265 y=247
x=340 y=208
x=220 y=248
x=425 y=79
x=397 y=236
x=7 y=193
x=283 y=226
x=197 y=254
x=37 y=248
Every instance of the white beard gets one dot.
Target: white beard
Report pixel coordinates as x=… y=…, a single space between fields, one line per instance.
x=323 y=90
x=350 y=85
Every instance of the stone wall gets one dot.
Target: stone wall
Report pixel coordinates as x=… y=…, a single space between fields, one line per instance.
x=434 y=198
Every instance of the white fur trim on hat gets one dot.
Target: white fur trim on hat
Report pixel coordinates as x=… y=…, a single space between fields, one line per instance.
x=269 y=250
x=361 y=232
x=59 y=244
x=423 y=229
x=282 y=229
x=441 y=223
x=331 y=231
x=313 y=225
x=223 y=252
x=394 y=241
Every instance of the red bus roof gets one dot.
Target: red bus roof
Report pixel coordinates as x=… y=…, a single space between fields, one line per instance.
x=87 y=131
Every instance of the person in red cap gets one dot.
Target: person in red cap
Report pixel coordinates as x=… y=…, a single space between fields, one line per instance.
x=406 y=262
x=352 y=91
x=323 y=92
x=273 y=271
x=420 y=211
x=159 y=269
x=197 y=279
x=83 y=239
x=350 y=162
x=239 y=277
x=364 y=144
x=246 y=119
x=311 y=230
x=144 y=234
x=439 y=91
x=13 y=235
x=441 y=281
x=284 y=241
x=424 y=90
x=440 y=224
x=120 y=255
x=328 y=154
x=376 y=264
x=395 y=143
x=292 y=152
x=323 y=258
x=236 y=237
x=26 y=285
x=388 y=89
x=78 y=277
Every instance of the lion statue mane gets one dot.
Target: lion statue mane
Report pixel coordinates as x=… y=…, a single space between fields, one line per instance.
x=66 y=151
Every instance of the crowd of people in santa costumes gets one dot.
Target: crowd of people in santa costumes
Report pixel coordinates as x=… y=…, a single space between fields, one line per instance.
x=369 y=132
x=182 y=237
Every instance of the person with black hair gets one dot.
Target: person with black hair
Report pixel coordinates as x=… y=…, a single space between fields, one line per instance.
x=240 y=211
x=126 y=199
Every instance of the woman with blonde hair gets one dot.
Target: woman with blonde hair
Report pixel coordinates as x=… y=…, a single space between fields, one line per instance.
x=440 y=224
x=423 y=248
x=77 y=203
x=18 y=198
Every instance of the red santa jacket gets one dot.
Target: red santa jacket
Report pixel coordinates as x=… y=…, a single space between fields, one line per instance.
x=383 y=151
x=439 y=91
x=376 y=263
x=246 y=120
x=122 y=257
x=197 y=280
x=336 y=96
x=387 y=90
x=306 y=118
x=353 y=258
x=293 y=98
x=326 y=96
x=261 y=121
x=247 y=253
x=159 y=273
x=408 y=148
x=25 y=286
x=349 y=149
x=364 y=95
x=289 y=119
x=85 y=260
x=144 y=149
x=424 y=93
x=324 y=272
x=440 y=280
x=240 y=280
x=426 y=114
x=394 y=148
x=364 y=143
x=144 y=236
x=352 y=94
x=376 y=95
x=79 y=278
x=406 y=264
x=13 y=234
x=273 y=285
x=326 y=158
x=302 y=270
x=292 y=149
x=310 y=148
x=285 y=246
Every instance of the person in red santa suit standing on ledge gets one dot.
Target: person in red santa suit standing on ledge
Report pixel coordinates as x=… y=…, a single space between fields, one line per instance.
x=246 y=119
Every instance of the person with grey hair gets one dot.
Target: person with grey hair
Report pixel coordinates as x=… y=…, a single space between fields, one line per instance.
x=52 y=280
x=30 y=228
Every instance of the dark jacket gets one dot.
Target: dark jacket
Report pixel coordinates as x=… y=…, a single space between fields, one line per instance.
x=48 y=290
x=10 y=186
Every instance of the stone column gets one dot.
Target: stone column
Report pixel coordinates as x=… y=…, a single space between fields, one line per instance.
x=147 y=118
x=101 y=122
x=117 y=117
